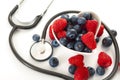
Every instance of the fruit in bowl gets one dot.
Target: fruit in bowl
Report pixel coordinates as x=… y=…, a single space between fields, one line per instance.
x=77 y=32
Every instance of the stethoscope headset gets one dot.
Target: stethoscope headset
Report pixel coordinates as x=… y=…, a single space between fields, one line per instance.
x=42 y=42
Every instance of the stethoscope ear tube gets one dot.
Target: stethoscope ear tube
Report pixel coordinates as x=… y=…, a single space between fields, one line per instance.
x=10 y=16
x=44 y=36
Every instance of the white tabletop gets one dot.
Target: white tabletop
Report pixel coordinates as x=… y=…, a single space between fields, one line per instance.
x=10 y=67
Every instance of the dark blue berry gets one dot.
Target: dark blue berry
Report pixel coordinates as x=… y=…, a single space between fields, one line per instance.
x=114 y=32
x=100 y=70
x=79 y=46
x=87 y=50
x=71 y=34
x=36 y=37
x=107 y=41
x=69 y=27
x=72 y=69
x=74 y=19
x=87 y=16
x=53 y=62
x=84 y=31
x=78 y=38
x=54 y=43
x=63 y=41
x=70 y=45
x=97 y=39
x=65 y=16
x=78 y=28
x=91 y=71
x=81 y=20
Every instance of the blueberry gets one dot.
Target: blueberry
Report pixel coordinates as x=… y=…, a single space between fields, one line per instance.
x=74 y=19
x=71 y=34
x=100 y=70
x=53 y=62
x=107 y=41
x=54 y=43
x=69 y=27
x=36 y=37
x=70 y=45
x=84 y=31
x=87 y=16
x=97 y=39
x=78 y=38
x=91 y=71
x=63 y=41
x=114 y=32
x=86 y=49
x=81 y=20
x=72 y=69
x=65 y=16
x=78 y=28
x=79 y=46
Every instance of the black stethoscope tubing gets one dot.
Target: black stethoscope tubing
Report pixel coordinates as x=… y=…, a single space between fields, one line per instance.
x=33 y=67
x=37 y=20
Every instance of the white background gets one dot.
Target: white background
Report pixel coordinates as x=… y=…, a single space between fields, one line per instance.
x=10 y=67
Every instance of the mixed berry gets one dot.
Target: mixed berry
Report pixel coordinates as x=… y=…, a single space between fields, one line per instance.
x=72 y=69
x=54 y=62
x=91 y=71
x=36 y=37
x=76 y=33
x=81 y=72
x=100 y=70
x=54 y=43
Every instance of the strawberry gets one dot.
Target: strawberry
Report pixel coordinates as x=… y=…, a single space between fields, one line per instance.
x=104 y=60
x=77 y=60
x=88 y=40
x=59 y=24
x=100 y=32
x=61 y=34
x=91 y=25
x=81 y=74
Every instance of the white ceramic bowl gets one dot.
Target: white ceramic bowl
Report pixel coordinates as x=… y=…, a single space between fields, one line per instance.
x=96 y=17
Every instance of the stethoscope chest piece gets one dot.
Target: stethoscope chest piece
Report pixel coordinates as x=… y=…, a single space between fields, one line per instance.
x=41 y=51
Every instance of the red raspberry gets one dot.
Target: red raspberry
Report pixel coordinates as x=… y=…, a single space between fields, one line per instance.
x=100 y=32
x=104 y=60
x=119 y=64
x=88 y=40
x=61 y=34
x=91 y=25
x=81 y=74
x=59 y=24
x=50 y=33
x=77 y=60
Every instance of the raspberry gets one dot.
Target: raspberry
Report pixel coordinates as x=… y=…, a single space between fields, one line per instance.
x=119 y=64
x=81 y=74
x=104 y=60
x=100 y=32
x=88 y=40
x=77 y=60
x=59 y=24
x=61 y=34
x=50 y=33
x=91 y=25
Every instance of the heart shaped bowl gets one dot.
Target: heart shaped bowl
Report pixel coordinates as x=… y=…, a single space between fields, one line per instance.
x=94 y=17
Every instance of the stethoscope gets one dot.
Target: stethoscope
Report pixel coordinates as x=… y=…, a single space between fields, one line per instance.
x=42 y=43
